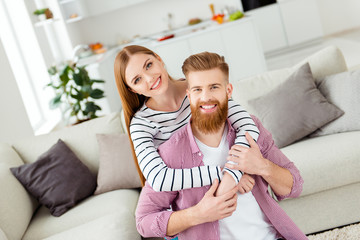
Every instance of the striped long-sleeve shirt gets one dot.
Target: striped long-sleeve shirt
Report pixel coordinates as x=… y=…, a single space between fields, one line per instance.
x=150 y=128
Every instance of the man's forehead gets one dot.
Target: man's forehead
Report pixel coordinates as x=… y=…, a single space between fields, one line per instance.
x=206 y=78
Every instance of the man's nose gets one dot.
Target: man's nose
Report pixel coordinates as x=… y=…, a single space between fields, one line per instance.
x=205 y=95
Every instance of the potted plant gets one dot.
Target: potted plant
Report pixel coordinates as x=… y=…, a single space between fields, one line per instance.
x=43 y=13
x=75 y=92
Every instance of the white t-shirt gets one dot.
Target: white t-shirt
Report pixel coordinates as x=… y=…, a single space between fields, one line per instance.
x=248 y=221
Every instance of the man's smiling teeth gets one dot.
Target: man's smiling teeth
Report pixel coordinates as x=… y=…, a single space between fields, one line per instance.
x=207 y=106
x=156 y=84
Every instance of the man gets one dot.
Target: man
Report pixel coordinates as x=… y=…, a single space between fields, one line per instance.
x=197 y=213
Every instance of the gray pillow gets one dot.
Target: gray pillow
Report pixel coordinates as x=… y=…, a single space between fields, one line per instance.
x=58 y=179
x=295 y=108
x=116 y=164
x=343 y=90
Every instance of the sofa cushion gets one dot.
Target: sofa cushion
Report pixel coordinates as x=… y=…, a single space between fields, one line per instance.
x=2 y=235
x=343 y=90
x=16 y=204
x=295 y=108
x=117 y=168
x=326 y=62
x=326 y=162
x=119 y=225
x=80 y=138
x=58 y=179
x=103 y=206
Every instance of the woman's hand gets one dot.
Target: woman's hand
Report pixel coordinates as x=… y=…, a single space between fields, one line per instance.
x=212 y=208
x=249 y=160
x=246 y=183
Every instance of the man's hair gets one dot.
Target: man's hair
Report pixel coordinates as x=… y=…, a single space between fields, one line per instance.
x=205 y=61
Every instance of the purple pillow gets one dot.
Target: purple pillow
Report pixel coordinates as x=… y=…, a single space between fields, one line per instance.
x=58 y=179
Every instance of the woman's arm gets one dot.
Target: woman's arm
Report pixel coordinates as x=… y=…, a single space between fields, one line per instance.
x=242 y=122
x=159 y=176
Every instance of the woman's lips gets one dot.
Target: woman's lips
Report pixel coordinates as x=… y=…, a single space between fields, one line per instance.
x=157 y=84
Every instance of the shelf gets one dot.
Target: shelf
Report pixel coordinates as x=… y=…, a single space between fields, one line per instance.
x=66 y=1
x=45 y=22
x=71 y=20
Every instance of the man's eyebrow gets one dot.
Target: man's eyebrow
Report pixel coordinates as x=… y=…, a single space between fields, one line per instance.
x=195 y=87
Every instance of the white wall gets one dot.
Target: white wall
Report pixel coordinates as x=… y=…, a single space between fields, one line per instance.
x=339 y=15
x=14 y=122
x=146 y=18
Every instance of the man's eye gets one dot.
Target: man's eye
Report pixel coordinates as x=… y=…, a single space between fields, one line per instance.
x=148 y=65
x=214 y=87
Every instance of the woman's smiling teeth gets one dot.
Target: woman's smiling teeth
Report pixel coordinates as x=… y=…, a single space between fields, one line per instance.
x=156 y=84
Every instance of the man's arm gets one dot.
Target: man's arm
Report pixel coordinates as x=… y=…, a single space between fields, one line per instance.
x=251 y=161
x=270 y=163
x=209 y=209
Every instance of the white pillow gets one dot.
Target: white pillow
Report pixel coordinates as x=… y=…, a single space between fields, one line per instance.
x=342 y=90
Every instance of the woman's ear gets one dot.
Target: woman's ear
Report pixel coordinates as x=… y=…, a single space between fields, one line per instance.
x=131 y=90
x=159 y=58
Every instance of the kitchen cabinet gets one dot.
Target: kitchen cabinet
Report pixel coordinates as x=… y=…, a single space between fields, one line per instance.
x=72 y=10
x=301 y=20
x=75 y=10
x=269 y=23
x=237 y=41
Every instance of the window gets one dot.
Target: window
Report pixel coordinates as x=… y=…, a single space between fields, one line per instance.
x=27 y=63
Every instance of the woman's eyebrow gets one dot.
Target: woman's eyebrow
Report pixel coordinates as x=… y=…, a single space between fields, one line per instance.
x=146 y=62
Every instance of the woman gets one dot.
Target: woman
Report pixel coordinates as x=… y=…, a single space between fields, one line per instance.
x=155 y=106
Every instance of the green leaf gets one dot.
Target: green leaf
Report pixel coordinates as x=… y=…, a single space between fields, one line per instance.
x=86 y=89
x=79 y=96
x=78 y=78
x=90 y=109
x=97 y=94
x=96 y=81
x=55 y=102
x=39 y=11
x=52 y=70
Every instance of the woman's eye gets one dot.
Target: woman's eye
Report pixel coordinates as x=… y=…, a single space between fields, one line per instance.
x=148 y=65
x=136 y=80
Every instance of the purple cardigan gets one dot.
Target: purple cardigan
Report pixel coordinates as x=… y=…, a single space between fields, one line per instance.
x=181 y=151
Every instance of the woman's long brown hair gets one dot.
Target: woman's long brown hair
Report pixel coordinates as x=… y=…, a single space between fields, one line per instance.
x=131 y=102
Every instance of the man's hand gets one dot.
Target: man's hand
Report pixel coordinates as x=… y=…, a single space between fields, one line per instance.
x=246 y=184
x=249 y=160
x=212 y=208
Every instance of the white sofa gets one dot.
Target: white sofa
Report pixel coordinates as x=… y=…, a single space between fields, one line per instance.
x=330 y=167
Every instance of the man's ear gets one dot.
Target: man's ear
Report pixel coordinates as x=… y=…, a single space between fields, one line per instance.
x=188 y=93
x=229 y=90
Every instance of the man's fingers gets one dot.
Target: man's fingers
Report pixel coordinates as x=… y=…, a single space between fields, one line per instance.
x=213 y=187
x=241 y=190
x=238 y=148
x=250 y=140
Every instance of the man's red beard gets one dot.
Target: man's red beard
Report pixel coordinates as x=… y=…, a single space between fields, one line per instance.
x=209 y=122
